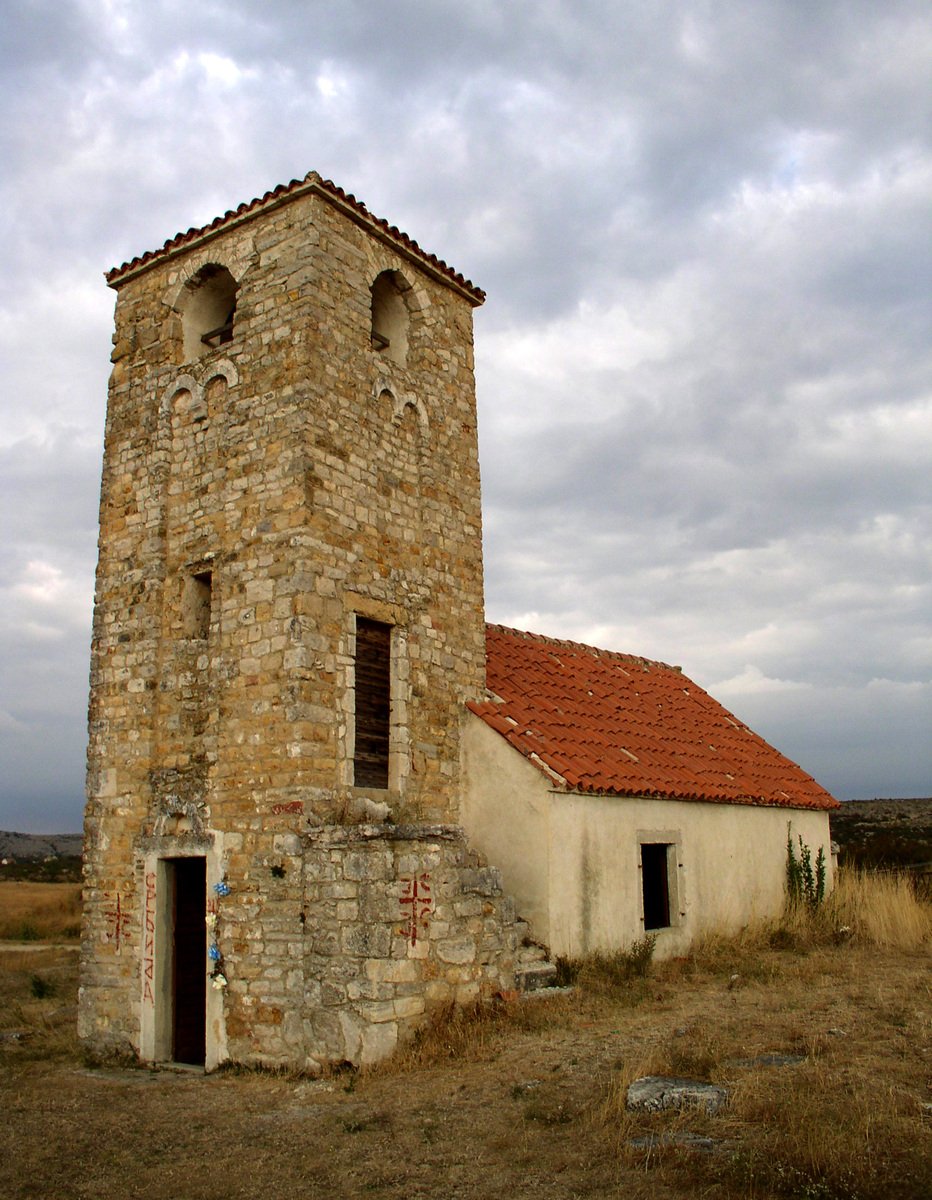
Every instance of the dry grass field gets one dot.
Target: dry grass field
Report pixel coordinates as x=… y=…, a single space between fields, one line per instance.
x=527 y=1100
x=32 y=912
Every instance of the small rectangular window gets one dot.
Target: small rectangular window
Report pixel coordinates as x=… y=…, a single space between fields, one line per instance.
x=373 y=703
x=655 y=882
x=195 y=604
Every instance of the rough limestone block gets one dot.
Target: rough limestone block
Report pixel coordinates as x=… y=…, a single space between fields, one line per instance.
x=377 y=1042
x=653 y=1093
x=457 y=950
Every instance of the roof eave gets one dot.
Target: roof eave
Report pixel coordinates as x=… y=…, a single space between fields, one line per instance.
x=119 y=275
x=312 y=184
x=816 y=805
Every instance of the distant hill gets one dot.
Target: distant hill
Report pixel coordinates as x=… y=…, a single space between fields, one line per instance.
x=884 y=833
x=41 y=857
x=869 y=833
x=39 y=845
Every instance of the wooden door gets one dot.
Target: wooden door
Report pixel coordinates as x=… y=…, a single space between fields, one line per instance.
x=189 y=959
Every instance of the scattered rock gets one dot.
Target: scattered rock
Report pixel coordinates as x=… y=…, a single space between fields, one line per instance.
x=652 y=1093
x=143 y=1076
x=313 y=1087
x=770 y=1060
x=684 y=1139
x=534 y=976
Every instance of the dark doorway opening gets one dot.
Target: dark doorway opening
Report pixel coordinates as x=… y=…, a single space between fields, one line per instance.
x=656 y=884
x=189 y=959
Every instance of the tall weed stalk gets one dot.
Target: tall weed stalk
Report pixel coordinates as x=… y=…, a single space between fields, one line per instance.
x=804 y=885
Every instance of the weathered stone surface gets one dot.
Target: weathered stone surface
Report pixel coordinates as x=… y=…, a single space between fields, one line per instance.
x=683 y=1139
x=656 y=1092
x=259 y=494
x=533 y=976
x=771 y=1060
x=457 y=950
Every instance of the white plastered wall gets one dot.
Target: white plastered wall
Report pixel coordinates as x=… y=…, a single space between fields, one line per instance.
x=572 y=861
x=506 y=809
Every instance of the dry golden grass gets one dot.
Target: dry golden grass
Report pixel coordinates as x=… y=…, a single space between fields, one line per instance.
x=477 y=1032
x=40 y=911
x=851 y=1121
x=525 y=1098
x=880 y=910
x=38 y=991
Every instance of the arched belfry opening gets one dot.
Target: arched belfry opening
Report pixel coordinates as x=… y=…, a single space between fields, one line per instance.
x=208 y=309
x=390 y=316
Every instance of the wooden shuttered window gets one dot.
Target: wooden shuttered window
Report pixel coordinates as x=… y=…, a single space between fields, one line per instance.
x=373 y=703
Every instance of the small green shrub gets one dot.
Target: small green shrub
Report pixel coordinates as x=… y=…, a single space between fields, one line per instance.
x=41 y=988
x=803 y=884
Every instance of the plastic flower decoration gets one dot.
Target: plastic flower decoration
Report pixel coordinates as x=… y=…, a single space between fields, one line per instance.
x=218 y=982
x=222 y=888
x=213 y=952
x=211 y=920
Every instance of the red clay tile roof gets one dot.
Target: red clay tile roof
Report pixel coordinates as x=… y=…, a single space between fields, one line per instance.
x=597 y=721
x=336 y=196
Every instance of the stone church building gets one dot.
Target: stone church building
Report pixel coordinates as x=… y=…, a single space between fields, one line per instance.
x=323 y=796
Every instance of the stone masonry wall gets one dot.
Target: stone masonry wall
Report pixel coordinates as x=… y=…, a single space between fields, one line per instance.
x=400 y=922
x=307 y=478
x=366 y=930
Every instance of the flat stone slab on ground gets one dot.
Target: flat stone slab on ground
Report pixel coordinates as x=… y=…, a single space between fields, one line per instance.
x=535 y=977
x=685 y=1140
x=653 y=1093
x=770 y=1060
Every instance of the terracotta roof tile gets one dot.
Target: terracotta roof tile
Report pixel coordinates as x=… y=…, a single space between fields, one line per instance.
x=312 y=182
x=616 y=723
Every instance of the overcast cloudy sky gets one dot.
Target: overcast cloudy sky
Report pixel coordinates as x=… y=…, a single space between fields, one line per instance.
x=703 y=366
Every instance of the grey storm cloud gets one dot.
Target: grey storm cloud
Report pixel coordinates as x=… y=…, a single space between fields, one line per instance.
x=703 y=366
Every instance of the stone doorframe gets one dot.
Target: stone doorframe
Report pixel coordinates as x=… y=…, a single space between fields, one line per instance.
x=155 y=998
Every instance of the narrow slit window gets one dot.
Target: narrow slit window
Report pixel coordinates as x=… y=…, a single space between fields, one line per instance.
x=196 y=604
x=373 y=703
x=655 y=882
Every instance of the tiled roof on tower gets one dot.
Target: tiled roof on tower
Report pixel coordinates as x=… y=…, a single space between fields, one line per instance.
x=282 y=194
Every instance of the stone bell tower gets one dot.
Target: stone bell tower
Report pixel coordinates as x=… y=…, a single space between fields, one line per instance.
x=288 y=623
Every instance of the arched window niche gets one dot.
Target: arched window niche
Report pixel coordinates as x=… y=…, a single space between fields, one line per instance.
x=390 y=316
x=208 y=308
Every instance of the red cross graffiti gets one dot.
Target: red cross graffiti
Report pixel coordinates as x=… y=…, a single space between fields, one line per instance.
x=416 y=904
x=117 y=922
